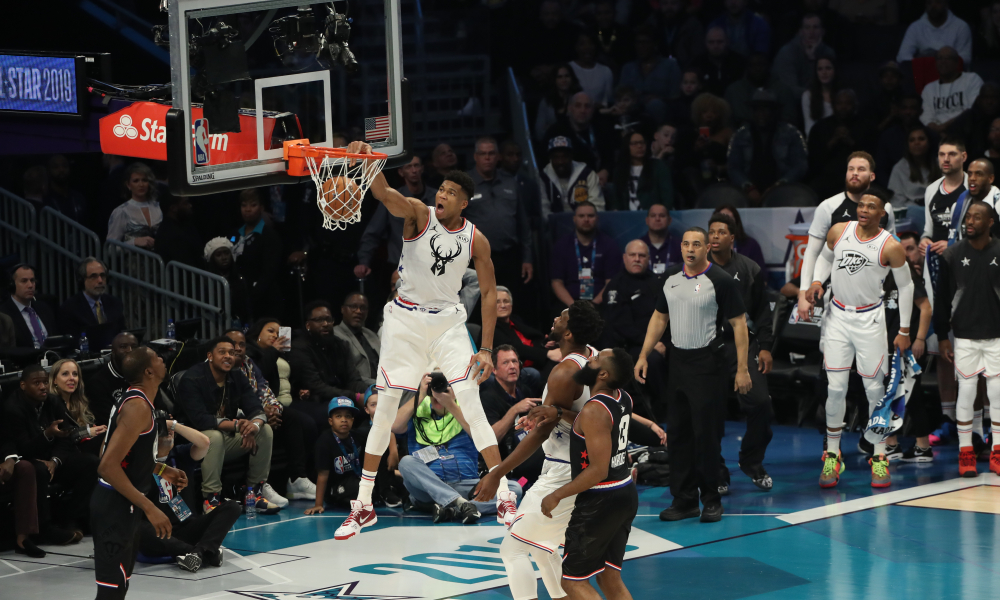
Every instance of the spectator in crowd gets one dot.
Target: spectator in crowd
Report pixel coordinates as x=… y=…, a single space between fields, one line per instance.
x=440 y=482
x=893 y=140
x=550 y=41
x=585 y=260
x=66 y=384
x=627 y=112
x=993 y=140
x=681 y=34
x=834 y=138
x=564 y=182
x=553 y=105
x=528 y=342
x=756 y=78
x=640 y=179
x=630 y=299
x=267 y=348
x=720 y=66
x=496 y=208
x=951 y=94
x=338 y=461
x=936 y=28
x=744 y=244
x=591 y=141
x=613 y=38
x=747 y=31
x=973 y=125
x=197 y=540
x=61 y=196
x=653 y=76
x=178 y=238
x=209 y=397
x=817 y=101
x=679 y=107
x=888 y=94
x=511 y=163
x=506 y=397
x=987 y=41
x=707 y=156
x=136 y=221
x=33 y=320
x=36 y=421
x=257 y=252
x=664 y=250
x=796 y=64
x=93 y=311
x=766 y=152
x=363 y=342
x=108 y=384
x=218 y=255
x=19 y=487
x=596 y=80
x=664 y=144
x=915 y=171
x=321 y=365
x=36 y=186
x=443 y=161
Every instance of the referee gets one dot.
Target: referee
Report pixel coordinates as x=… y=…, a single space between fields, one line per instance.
x=701 y=297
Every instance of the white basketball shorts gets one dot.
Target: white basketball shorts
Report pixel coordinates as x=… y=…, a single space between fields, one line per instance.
x=533 y=528
x=975 y=357
x=851 y=335
x=415 y=340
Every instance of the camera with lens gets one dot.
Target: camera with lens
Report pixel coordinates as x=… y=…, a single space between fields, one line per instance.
x=439 y=383
x=300 y=35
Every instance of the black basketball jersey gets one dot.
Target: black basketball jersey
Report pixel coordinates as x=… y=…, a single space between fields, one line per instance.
x=138 y=463
x=619 y=474
x=940 y=208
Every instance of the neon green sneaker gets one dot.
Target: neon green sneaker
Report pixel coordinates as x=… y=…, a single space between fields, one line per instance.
x=880 y=471
x=832 y=468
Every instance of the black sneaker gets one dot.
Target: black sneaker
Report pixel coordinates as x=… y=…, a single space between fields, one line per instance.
x=675 y=513
x=189 y=562
x=893 y=453
x=211 y=558
x=29 y=549
x=918 y=455
x=445 y=513
x=391 y=499
x=467 y=513
x=758 y=476
x=711 y=514
x=865 y=447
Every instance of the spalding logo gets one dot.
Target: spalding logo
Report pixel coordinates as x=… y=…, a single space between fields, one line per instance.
x=852 y=261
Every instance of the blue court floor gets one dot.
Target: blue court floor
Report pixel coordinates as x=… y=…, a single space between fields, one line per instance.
x=930 y=535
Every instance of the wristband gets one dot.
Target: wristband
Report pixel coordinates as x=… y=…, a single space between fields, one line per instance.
x=255 y=424
x=559 y=412
x=490 y=350
x=163 y=467
x=173 y=425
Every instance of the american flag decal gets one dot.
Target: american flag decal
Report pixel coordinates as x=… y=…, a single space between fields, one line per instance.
x=377 y=128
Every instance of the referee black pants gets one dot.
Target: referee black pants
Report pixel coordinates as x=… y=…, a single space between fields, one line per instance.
x=694 y=405
x=755 y=406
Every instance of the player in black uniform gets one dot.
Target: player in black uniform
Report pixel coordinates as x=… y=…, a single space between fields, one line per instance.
x=128 y=459
x=607 y=499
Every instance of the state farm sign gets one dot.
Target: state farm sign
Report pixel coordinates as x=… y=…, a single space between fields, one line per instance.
x=138 y=130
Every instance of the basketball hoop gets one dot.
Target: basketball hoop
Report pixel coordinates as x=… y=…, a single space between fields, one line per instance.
x=341 y=178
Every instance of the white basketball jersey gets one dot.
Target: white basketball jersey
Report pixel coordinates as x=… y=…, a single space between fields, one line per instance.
x=858 y=271
x=557 y=445
x=432 y=264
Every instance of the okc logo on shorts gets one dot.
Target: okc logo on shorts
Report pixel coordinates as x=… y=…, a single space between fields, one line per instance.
x=853 y=261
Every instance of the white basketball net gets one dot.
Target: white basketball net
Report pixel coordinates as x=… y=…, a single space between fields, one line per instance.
x=341 y=210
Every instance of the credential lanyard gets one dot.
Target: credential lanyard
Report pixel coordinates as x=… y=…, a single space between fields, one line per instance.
x=593 y=254
x=355 y=462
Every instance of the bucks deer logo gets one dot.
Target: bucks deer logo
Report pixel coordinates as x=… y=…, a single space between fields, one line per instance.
x=442 y=255
x=852 y=261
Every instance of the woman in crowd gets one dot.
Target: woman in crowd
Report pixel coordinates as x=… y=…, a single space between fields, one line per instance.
x=710 y=115
x=817 y=101
x=745 y=245
x=294 y=431
x=219 y=260
x=553 y=105
x=66 y=383
x=529 y=343
x=640 y=180
x=914 y=172
x=135 y=222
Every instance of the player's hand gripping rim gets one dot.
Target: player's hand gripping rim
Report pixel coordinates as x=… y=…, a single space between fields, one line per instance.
x=481 y=364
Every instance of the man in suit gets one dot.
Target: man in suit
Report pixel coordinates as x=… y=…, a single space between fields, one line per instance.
x=33 y=320
x=364 y=342
x=93 y=311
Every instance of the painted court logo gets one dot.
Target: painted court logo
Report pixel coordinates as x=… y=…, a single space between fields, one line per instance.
x=343 y=591
x=852 y=261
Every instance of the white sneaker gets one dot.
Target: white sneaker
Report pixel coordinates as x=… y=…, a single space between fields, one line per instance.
x=361 y=516
x=506 y=507
x=301 y=489
x=272 y=496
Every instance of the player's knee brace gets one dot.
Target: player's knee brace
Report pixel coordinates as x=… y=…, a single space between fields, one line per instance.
x=385 y=415
x=836 y=398
x=967 y=389
x=472 y=409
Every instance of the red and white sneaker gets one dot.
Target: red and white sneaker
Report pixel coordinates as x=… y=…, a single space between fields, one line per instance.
x=361 y=516
x=967 y=462
x=506 y=507
x=995 y=460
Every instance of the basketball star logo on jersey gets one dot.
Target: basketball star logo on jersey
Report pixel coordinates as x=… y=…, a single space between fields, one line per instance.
x=852 y=261
x=442 y=255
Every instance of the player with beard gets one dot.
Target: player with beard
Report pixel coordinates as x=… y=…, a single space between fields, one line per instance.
x=861 y=254
x=837 y=209
x=980 y=176
x=606 y=498
x=968 y=305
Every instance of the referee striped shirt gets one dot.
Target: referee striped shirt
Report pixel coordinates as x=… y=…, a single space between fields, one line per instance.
x=698 y=305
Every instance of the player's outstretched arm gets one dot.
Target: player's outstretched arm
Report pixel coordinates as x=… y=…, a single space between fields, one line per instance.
x=397 y=204
x=594 y=423
x=488 y=295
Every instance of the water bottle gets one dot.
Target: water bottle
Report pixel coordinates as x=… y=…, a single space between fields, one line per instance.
x=251 y=504
x=84 y=343
x=171 y=330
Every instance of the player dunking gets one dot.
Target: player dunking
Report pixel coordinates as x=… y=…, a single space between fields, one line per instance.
x=862 y=254
x=425 y=326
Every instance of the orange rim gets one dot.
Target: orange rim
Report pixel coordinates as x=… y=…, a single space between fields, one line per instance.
x=296 y=151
